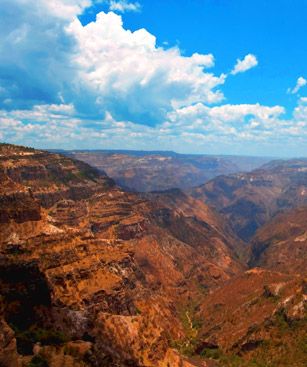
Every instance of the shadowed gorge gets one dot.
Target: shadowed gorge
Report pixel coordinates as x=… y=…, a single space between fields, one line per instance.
x=249 y=200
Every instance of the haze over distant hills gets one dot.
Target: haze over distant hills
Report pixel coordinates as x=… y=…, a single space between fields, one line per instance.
x=248 y=200
x=157 y=170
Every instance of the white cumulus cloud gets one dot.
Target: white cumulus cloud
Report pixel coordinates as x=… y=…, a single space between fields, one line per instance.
x=126 y=73
x=249 y=62
x=300 y=83
x=36 y=50
x=98 y=67
x=123 y=6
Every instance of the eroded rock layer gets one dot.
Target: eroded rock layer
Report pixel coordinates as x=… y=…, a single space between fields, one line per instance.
x=92 y=275
x=247 y=201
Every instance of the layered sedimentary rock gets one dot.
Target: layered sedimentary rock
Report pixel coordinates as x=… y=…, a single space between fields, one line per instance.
x=249 y=200
x=148 y=171
x=82 y=261
x=281 y=244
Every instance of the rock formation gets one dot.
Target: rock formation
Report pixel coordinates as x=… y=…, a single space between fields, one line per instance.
x=83 y=261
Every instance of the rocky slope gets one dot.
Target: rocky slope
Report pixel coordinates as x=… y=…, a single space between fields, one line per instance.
x=145 y=171
x=256 y=319
x=249 y=200
x=94 y=276
x=282 y=243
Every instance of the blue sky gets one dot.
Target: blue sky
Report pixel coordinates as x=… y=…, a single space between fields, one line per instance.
x=198 y=76
x=273 y=30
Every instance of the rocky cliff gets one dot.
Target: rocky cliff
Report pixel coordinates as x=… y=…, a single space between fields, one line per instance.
x=94 y=276
x=249 y=200
x=281 y=244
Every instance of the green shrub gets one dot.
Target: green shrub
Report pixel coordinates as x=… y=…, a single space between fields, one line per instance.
x=27 y=338
x=38 y=361
x=50 y=337
x=211 y=353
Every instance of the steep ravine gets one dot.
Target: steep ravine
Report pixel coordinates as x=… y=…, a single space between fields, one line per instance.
x=93 y=276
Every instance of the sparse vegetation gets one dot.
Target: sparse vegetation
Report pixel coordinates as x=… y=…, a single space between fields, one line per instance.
x=38 y=361
x=27 y=338
x=226 y=360
x=191 y=325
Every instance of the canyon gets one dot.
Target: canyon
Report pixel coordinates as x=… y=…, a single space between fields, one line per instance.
x=155 y=171
x=97 y=274
x=248 y=200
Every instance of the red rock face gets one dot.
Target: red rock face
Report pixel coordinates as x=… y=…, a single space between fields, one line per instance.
x=83 y=260
x=260 y=315
x=249 y=200
x=145 y=172
x=8 y=352
x=282 y=243
x=91 y=275
x=19 y=207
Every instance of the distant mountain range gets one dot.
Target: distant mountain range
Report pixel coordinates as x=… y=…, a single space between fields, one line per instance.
x=248 y=200
x=155 y=171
